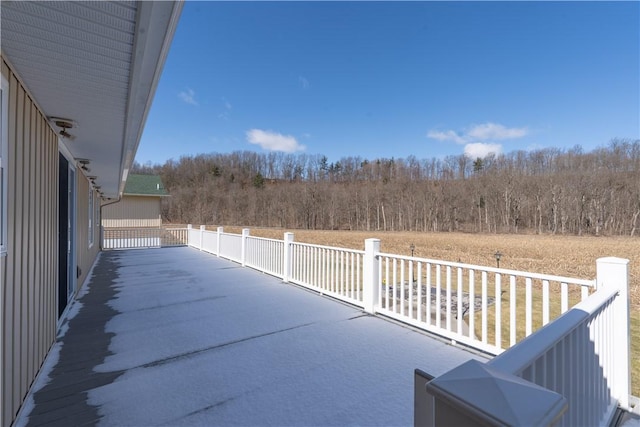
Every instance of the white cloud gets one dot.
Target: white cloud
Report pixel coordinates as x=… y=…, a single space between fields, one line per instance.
x=274 y=141
x=188 y=96
x=475 y=139
x=495 y=131
x=481 y=149
x=303 y=82
x=446 y=136
x=483 y=132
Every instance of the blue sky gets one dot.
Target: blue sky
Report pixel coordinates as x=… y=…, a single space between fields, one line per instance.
x=393 y=79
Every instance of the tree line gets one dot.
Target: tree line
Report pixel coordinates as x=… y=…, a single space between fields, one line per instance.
x=557 y=191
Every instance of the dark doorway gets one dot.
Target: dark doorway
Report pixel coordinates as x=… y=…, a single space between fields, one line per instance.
x=63 y=233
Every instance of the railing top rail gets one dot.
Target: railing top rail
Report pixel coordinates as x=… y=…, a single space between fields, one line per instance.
x=519 y=357
x=228 y=234
x=502 y=271
x=333 y=248
x=265 y=239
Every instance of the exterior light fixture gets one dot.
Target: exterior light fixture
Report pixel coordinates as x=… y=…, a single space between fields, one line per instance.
x=64 y=125
x=498 y=255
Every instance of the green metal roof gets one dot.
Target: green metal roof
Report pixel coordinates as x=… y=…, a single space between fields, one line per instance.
x=145 y=185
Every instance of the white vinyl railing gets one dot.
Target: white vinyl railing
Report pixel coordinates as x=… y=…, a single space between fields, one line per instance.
x=488 y=308
x=266 y=255
x=567 y=359
x=582 y=356
x=336 y=272
x=195 y=237
x=570 y=336
x=139 y=237
x=231 y=247
x=209 y=242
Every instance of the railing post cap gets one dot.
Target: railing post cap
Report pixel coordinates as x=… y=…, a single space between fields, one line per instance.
x=373 y=244
x=490 y=396
x=612 y=260
x=203 y=227
x=189 y=226
x=245 y=231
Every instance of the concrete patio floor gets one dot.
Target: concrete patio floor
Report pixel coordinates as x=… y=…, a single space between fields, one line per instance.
x=178 y=337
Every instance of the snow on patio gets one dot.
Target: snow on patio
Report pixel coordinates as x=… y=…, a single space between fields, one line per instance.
x=178 y=337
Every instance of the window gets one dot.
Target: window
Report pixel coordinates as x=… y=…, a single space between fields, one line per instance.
x=91 y=217
x=4 y=143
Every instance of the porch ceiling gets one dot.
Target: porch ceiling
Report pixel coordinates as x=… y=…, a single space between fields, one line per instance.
x=96 y=63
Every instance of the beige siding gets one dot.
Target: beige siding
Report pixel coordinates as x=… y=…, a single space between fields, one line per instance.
x=30 y=270
x=86 y=253
x=133 y=211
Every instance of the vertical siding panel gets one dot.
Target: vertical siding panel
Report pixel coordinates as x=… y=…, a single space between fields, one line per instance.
x=18 y=221
x=29 y=170
x=9 y=294
x=46 y=242
x=53 y=226
x=4 y=71
x=48 y=254
x=29 y=294
x=54 y=198
x=25 y=328
x=38 y=242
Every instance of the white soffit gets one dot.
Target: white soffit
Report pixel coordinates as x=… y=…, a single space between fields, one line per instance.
x=96 y=63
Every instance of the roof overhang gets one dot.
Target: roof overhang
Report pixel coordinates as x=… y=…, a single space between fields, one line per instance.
x=96 y=64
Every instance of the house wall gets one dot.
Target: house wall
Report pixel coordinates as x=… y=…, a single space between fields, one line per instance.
x=29 y=270
x=133 y=211
x=86 y=252
x=30 y=267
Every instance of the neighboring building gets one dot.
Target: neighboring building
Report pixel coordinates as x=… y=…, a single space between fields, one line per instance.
x=77 y=83
x=139 y=206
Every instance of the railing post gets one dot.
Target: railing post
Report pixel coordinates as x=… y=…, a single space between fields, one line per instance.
x=243 y=253
x=613 y=271
x=189 y=242
x=202 y=230
x=218 y=240
x=370 y=275
x=286 y=268
x=460 y=398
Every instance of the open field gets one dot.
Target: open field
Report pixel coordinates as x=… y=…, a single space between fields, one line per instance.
x=572 y=256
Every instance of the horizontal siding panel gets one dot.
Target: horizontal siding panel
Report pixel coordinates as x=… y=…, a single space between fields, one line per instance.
x=133 y=211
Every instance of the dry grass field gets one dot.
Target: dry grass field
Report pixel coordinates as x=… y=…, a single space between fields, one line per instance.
x=573 y=256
